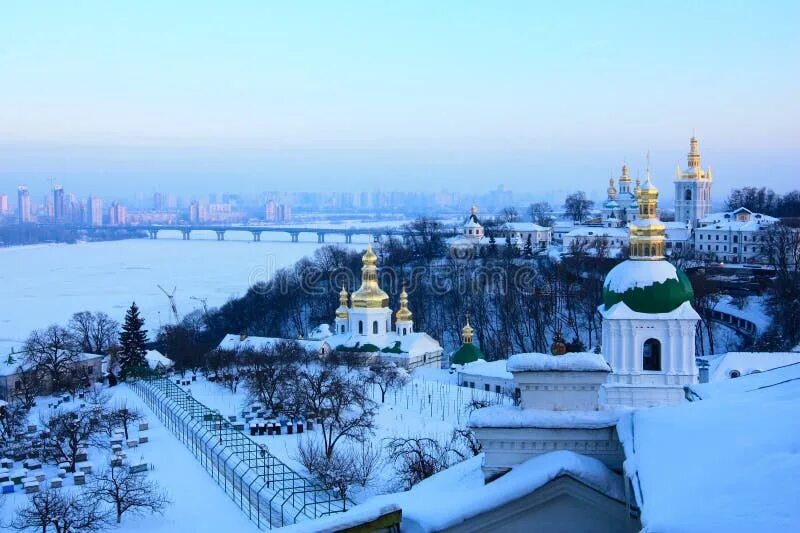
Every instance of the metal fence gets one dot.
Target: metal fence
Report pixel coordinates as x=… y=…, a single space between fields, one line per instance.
x=268 y=491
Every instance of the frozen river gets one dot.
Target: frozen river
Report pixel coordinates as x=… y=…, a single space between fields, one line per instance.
x=43 y=284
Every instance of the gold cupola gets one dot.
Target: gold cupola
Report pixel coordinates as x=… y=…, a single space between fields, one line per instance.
x=647 y=233
x=342 y=311
x=694 y=170
x=369 y=295
x=403 y=314
x=466 y=333
x=612 y=191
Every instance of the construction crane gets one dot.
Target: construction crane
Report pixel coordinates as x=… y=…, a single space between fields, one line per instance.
x=171 y=298
x=203 y=301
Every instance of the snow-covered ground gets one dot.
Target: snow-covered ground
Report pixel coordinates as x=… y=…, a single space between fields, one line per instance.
x=43 y=284
x=192 y=491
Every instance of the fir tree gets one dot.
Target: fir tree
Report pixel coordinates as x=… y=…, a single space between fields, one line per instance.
x=528 y=250
x=132 y=342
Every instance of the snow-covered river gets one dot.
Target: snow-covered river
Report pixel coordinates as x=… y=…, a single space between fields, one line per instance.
x=43 y=284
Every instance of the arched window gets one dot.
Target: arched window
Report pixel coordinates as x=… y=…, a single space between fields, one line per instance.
x=360 y=327
x=375 y=327
x=404 y=331
x=651 y=355
x=687 y=195
x=735 y=373
x=342 y=328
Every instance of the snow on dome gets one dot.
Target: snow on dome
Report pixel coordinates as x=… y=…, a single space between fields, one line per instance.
x=631 y=274
x=540 y=362
x=506 y=416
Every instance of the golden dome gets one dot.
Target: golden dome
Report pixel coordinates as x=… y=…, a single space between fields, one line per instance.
x=625 y=174
x=466 y=333
x=342 y=311
x=647 y=234
x=369 y=295
x=403 y=314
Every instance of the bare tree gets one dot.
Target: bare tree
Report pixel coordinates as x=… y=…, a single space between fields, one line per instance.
x=270 y=373
x=578 y=206
x=30 y=386
x=94 y=332
x=12 y=418
x=66 y=512
x=53 y=352
x=541 y=213
x=127 y=492
x=781 y=249
x=125 y=416
x=387 y=376
x=69 y=432
x=418 y=458
x=338 y=399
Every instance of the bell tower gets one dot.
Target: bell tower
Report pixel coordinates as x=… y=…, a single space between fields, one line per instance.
x=692 y=188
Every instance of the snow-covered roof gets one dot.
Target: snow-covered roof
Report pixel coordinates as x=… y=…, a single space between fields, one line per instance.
x=235 y=343
x=727 y=220
x=9 y=367
x=631 y=274
x=597 y=231
x=155 y=358
x=467 y=495
x=320 y=333
x=414 y=344
x=541 y=362
x=685 y=311
x=525 y=226
x=491 y=369
x=508 y=416
x=726 y=463
x=722 y=366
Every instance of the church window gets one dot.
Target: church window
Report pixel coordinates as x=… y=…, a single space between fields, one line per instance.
x=404 y=331
x=651 y=355
x=375 y=327
x=342 y=328
x=687 y=195
x=486 y=387
x=735 y=373
x=360 y=327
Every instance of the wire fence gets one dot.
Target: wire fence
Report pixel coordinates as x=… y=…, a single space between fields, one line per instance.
x=268 y=491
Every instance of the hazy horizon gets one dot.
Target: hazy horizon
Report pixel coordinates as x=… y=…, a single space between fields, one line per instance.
x=195 y=97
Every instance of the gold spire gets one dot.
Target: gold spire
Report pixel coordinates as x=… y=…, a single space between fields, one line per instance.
x=612 y=191
x=403 y=314
x=694 y=153
x=342 y=311
x=369 y=295
x=647 y=233
x=466 y=332
x=625 y=177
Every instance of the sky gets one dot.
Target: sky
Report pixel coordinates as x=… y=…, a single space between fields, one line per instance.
x=250 y=96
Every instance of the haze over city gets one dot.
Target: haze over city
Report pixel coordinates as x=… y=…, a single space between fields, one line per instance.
x=122 y=98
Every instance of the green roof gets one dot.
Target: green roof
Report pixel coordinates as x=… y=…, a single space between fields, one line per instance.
x=468 y=353
x=659 y=297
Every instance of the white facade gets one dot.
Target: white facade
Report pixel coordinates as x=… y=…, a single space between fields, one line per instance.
x=733 y=237
x=692 y=188
x=652 y=355
x=519 y=232
x=593 y=238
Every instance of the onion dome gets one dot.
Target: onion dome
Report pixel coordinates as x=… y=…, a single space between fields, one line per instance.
x=369 y=295
x=612 y=191
x=559 y=346
x=403 y=314
x=342 y=311
x=468 y=353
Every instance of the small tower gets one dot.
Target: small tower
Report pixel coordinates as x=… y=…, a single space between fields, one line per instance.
x=468 y=352
x=473 y=230
x=692 y=188
x=342 y=313
x=648 y=321
x=404 y=323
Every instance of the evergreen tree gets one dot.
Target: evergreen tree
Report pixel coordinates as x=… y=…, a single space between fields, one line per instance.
x=492 y=251
x=528 y=250
x=132 y=343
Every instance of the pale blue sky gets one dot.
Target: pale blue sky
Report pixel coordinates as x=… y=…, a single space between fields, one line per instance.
x=403 y=95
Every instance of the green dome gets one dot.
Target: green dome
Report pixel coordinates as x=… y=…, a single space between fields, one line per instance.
x=647 y=286
x=468 y=353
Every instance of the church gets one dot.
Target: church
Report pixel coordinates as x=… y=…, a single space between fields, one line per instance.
x=364 y=324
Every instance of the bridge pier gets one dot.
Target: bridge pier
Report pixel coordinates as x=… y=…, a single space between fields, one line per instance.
x=221 y=235
x=186 y=234
x=348 y=238
x=295 y=236
x=153 y=234
x=320 y=237
x=256 y=236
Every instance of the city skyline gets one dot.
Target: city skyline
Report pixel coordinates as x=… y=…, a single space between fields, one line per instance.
x=265 y=96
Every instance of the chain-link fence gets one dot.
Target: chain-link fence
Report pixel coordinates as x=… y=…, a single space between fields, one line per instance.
x=268 y=491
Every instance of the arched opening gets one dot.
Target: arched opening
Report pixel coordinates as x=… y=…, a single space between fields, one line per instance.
x=651 y=355
x=342 y=329
x=735 y=373
x=360 y=327
x=687 y=195
x=375 y=327
x=404 y=331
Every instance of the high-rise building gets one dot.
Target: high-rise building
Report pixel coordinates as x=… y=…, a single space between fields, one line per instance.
x=24 y=205
x=692 y=188
x=271 y=211
x=117 y=215
x=3 y=204
x=58 y=204
x=158 y=201
x=197 y=213
x=94 y=211
x=284 y=213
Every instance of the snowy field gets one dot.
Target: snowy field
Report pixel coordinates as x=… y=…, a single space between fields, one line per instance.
x=189 y=487
x=42 y=284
